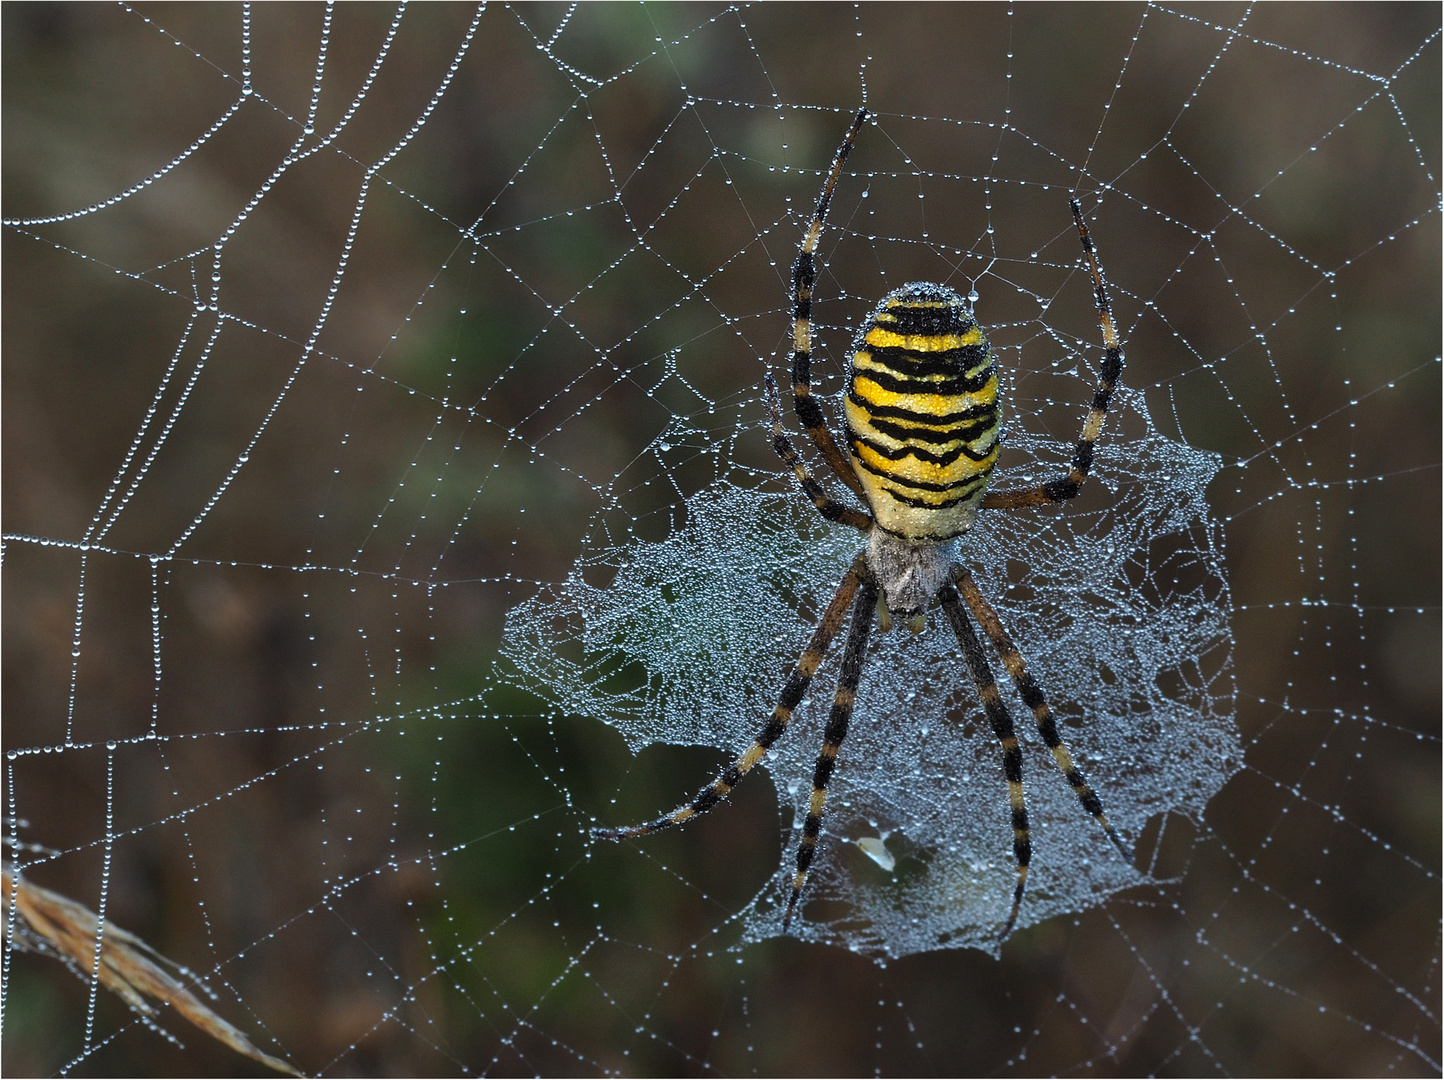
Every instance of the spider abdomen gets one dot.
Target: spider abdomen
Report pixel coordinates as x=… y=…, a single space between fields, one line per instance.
x=922 y=413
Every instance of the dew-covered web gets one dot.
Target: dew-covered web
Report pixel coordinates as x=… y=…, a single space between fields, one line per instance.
x=1126 y=622
x=388 y=502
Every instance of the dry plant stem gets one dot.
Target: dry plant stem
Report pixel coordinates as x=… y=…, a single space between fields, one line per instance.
x=129 y=967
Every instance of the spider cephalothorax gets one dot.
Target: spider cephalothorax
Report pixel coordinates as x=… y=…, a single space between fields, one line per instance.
x=923 y=427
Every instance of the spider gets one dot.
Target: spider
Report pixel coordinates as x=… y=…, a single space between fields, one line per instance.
x=923 y=429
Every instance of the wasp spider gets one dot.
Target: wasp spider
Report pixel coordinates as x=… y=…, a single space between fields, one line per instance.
x=922 y=433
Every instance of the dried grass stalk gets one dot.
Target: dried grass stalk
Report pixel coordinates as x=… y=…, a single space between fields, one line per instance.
x=57 y=926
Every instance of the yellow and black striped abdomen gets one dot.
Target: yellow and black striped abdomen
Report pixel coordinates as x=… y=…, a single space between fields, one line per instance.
x=922 y=413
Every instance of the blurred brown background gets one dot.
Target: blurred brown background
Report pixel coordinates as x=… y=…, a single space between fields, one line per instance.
x=372 y=851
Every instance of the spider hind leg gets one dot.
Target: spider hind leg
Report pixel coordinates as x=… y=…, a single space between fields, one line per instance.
x=804 y=278
x=1067 y=486
x=827 y=506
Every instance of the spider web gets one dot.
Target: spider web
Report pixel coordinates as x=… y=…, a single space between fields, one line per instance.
x=1126 y=619
x=387 y=502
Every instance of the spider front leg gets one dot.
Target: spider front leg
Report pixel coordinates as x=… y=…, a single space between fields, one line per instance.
x=826 y=505
x=1033 y=698
x=792 y=692
x=1066 y=487
x=1002 y=724
x=837 y=723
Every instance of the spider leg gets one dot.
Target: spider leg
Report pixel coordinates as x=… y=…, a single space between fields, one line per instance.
x=827 y=506
x=837 y=722
x=792 y=692
x=1033 y=698
x=804 y=277
x=1065 y=488
x=1002 y=724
